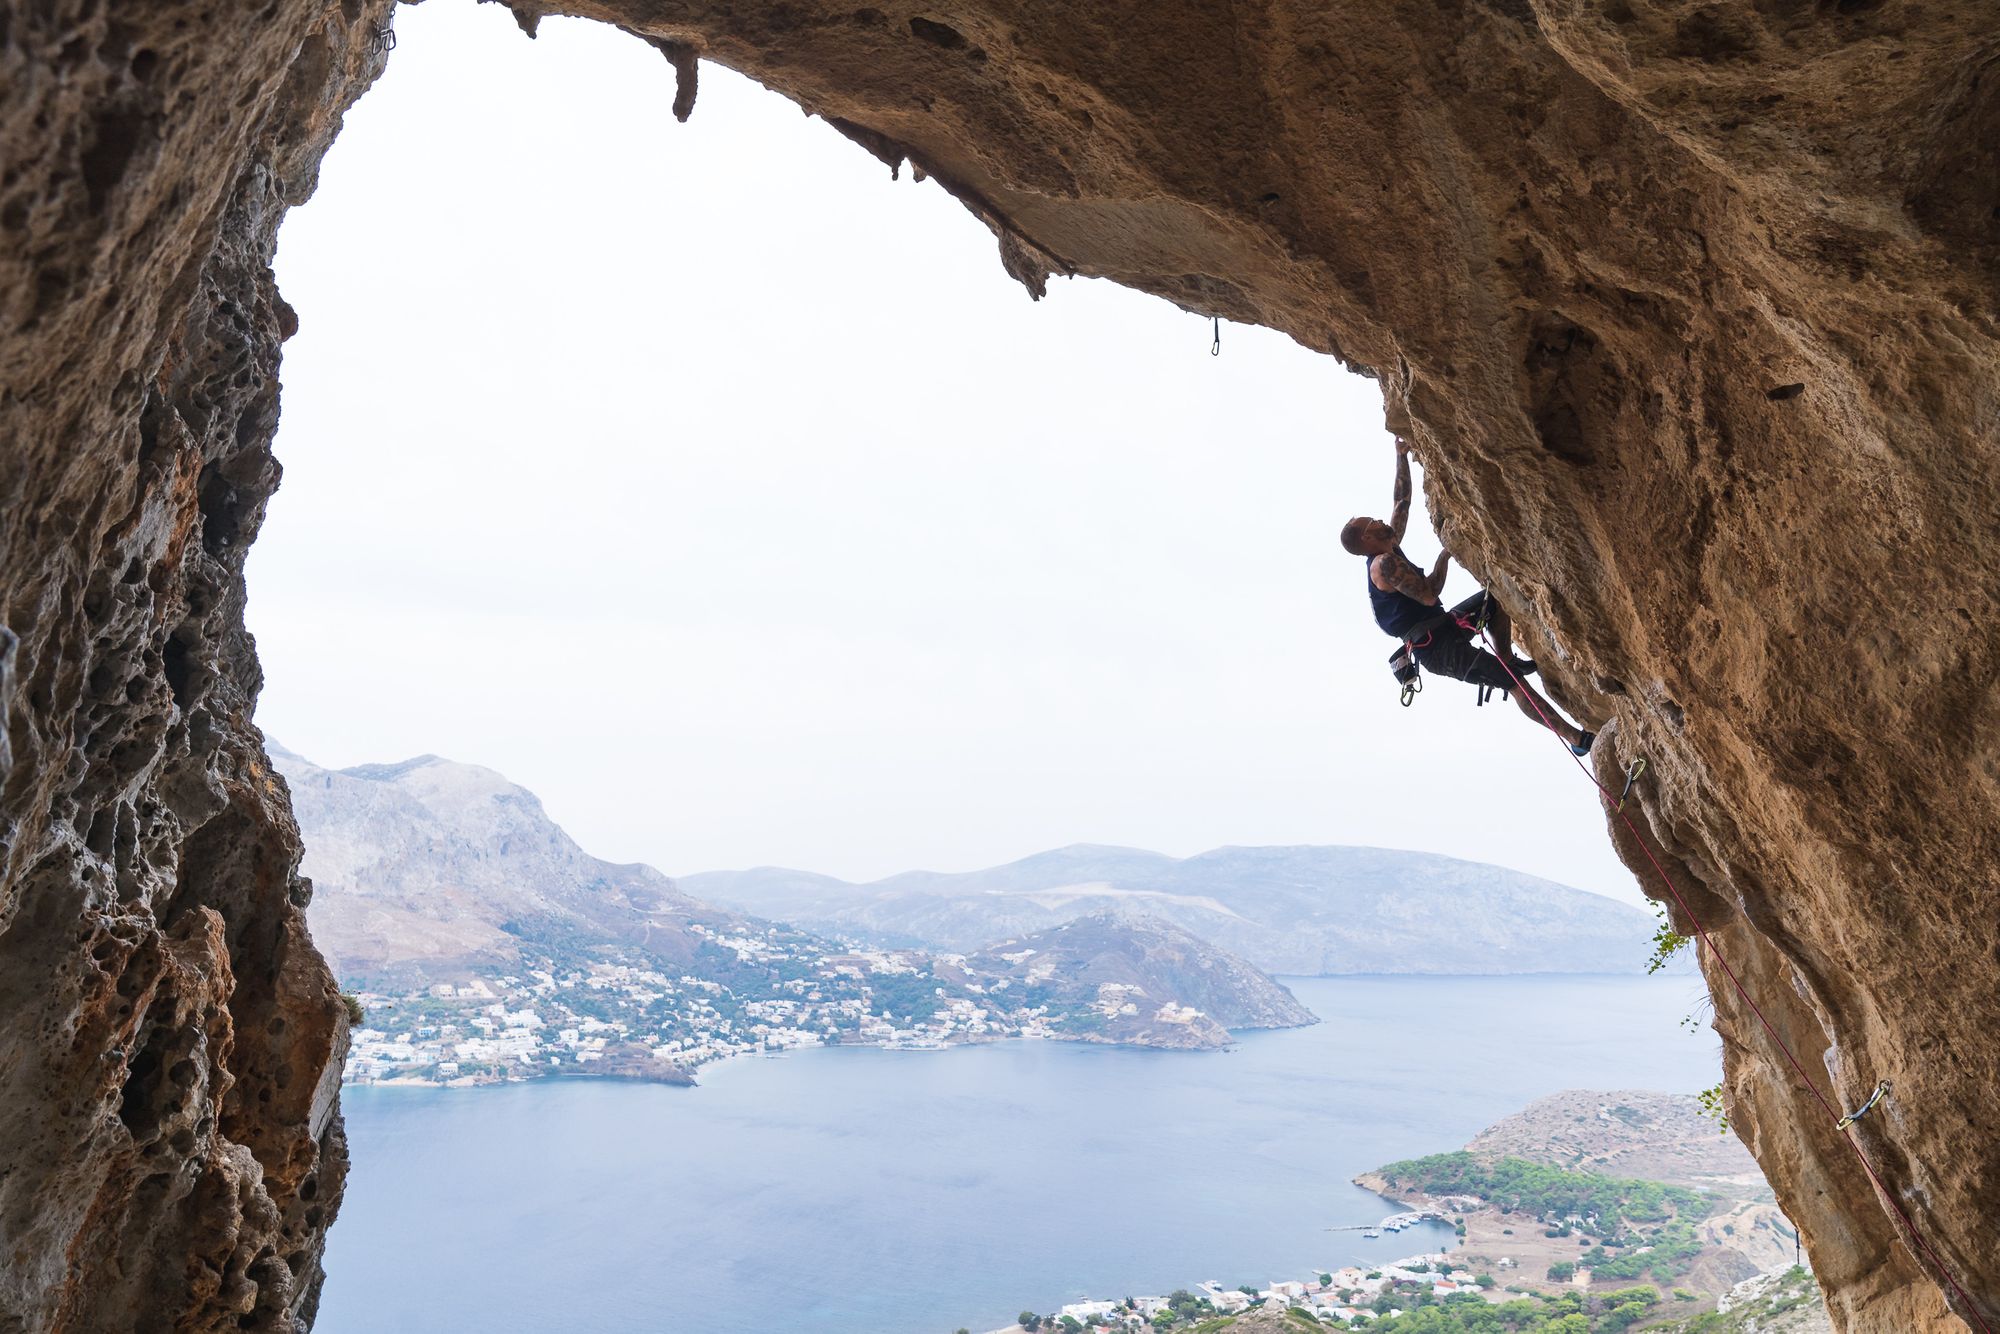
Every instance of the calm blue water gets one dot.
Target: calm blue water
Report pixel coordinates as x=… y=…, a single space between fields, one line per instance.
x=870 y=1192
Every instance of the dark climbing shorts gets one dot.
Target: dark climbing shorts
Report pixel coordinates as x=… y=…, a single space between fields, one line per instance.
x=1452 y=651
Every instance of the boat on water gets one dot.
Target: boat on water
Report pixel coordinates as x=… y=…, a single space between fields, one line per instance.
x=1372 y=1232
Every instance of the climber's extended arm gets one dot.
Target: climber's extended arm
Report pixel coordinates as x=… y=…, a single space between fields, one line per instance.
x=1399 y=513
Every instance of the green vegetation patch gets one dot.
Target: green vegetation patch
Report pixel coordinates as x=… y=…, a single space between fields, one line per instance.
x=1569 y=1313
x=1614 y=1203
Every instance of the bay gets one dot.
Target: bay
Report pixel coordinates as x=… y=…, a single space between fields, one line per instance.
x=860 y=1191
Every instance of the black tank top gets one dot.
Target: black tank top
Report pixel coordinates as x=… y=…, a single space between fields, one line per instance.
x=1396 y=612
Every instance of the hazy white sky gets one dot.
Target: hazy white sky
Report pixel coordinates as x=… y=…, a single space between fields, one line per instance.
x=730 y=497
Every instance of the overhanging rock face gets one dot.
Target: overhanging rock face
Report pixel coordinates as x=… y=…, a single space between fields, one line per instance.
x=1690 y=308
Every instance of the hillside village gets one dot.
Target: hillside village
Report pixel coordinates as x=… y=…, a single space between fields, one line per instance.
x=1339 y=1296
x=1433 y=1294
x=1428 y=1295
x=628 y=1017
x=767 y=989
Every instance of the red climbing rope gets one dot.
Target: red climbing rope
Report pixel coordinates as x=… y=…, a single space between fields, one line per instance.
x=1843 y=1126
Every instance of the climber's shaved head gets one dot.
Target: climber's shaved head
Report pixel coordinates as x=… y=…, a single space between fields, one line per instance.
x=1364 y=536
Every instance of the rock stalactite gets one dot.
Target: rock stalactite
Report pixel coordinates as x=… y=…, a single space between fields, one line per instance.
x=1689 y=305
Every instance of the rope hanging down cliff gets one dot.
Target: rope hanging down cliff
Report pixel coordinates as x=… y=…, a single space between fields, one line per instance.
x=1843 y=1124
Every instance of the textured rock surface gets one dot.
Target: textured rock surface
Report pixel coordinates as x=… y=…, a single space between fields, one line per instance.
x=170 y=1043
x=1689 y=304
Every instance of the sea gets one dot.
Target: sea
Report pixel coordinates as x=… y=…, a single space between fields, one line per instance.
x=861 y=1191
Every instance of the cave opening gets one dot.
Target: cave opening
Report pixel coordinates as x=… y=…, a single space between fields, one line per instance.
x=691 y=442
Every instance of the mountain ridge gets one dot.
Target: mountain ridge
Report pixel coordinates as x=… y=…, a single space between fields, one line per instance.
x=426 y=863
x=1294 y=908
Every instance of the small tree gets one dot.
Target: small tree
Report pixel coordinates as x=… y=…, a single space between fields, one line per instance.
x=1562 y=1271
x=1028 y=1320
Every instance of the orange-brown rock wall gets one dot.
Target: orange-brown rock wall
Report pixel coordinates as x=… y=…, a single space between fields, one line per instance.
x=170 y=1043
x=1690 y=306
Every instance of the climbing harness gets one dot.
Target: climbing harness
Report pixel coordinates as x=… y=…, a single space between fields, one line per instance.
x=1215 y=348
x=1632 y=772
x=1403 y=662
x=1865 y=1108
x=1842 y=1124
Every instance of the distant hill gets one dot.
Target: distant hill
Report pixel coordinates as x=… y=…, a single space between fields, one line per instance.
x=429 y=866
x=1149 y=981
x=1311 y=910
x=430 y=871
x=1628 y=1133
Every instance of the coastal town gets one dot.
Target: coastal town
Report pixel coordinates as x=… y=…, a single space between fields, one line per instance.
x=1346 y=1297
x=618 y=1014
x=1431 y=1294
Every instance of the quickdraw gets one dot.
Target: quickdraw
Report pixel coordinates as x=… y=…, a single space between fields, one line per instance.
x=1865 y=1108
x=1632 y=773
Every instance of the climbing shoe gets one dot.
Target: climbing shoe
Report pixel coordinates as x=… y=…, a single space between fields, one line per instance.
x=1582 y=746
x=1523 y=667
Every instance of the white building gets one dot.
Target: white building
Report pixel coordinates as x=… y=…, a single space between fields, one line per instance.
x=1085 y=1310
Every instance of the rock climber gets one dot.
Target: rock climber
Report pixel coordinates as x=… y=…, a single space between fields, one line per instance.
x=1407 y=606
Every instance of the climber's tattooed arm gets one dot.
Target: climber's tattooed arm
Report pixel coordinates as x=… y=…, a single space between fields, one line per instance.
x=1399 y=514
x=1391 y=571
